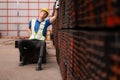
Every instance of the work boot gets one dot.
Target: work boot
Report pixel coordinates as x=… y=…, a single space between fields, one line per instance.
x=38 y=67
x=22 y=63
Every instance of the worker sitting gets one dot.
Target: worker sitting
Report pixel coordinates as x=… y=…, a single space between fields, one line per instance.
x=37 y=29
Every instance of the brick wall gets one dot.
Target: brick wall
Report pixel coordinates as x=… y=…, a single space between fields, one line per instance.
x=87 y=37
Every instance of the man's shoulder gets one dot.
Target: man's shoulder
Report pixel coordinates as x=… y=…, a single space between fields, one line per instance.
x=34 y=19
x=47 y=20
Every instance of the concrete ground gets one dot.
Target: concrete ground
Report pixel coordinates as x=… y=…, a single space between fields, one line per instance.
x=9 y=69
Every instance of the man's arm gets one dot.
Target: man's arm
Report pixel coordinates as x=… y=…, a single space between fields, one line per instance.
x=29 y=30
x=52 y=19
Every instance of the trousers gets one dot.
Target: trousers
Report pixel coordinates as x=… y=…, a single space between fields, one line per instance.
x=36 y=46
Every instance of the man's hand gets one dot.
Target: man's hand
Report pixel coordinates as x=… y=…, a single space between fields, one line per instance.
x=52 y=19
x=57 y=4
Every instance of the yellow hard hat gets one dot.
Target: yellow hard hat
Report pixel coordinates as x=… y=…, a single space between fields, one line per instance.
x=44 y=9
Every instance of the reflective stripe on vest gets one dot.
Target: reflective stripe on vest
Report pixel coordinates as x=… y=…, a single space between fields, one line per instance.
x=39 y=34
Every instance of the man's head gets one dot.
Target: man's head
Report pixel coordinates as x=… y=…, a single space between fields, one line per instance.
x=43 y=13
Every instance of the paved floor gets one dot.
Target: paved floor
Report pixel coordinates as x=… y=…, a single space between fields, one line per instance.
x=9 y=69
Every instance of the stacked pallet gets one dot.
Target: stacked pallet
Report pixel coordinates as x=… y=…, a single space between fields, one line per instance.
x=87 y=38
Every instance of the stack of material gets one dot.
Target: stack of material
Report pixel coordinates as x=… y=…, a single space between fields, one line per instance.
x=87 y=38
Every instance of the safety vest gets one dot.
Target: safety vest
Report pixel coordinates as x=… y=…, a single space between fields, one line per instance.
x=39 y=34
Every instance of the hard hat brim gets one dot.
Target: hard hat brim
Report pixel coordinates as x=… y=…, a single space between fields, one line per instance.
x=44 y=10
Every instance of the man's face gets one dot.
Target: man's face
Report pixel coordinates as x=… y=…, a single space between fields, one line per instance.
x=43 y=14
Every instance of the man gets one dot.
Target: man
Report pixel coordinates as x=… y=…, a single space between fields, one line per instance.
x=37 y=29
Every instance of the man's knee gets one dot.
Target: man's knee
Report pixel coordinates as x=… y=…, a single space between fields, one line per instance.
x=43 y=43
x=20 y=42
x=40 y=44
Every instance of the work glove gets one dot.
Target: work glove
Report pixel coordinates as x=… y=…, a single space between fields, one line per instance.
x=57 y=4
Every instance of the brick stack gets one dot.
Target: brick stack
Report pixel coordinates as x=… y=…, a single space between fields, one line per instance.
x=99 y=13
x=86 y=37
